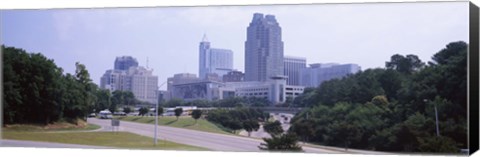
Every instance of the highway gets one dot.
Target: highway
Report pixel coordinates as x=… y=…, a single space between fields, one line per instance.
x=212 y=141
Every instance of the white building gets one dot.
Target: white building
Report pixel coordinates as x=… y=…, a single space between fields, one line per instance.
x=275 y=89
x=143 y=84
x=314 y=75
x=139 y=80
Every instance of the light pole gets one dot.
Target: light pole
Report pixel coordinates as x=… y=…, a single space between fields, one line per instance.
x=436 y=117
x=156 y=117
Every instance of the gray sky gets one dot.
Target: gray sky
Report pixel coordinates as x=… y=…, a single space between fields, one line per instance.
x=365 y=34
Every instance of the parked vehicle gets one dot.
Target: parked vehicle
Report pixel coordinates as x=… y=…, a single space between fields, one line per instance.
x=92 y=115
x=105 y=114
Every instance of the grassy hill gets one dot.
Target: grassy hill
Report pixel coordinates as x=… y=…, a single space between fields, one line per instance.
x=186 y=122
x=107 y=139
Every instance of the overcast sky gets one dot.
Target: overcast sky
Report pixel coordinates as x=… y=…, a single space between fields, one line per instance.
x=364 y=34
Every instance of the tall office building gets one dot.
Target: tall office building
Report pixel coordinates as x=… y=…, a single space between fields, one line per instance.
x=139 y=80
x=292 y=68
x=263 y=49
x=316 y=74
x=125 y=62
x=213 y=60
x=143 y=84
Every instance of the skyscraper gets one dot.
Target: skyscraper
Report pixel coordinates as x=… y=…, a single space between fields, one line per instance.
x=263 y=48
x=292 y=68
x=213 y=61
x=125 y=62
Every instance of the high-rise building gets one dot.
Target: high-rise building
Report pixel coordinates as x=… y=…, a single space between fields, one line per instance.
x=139 y=80
x=263 y=48
x=314 y=75
x=125 y=62
x=213 y=60
x=143 y=84
x=292 y=68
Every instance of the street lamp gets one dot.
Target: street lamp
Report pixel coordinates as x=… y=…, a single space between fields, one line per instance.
x=156 y=117
x=436 y=117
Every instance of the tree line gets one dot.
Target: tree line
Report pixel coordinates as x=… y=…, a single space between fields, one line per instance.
x=238 y=118
x=226 y=102
x=37 y=91
x=392 y=108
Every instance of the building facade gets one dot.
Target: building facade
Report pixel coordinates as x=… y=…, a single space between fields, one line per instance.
x=139 y=80
x=125 y=62
x=233 y=76
x=274 y=90
x=292 y=67
x=314 y=75
x=213 y=61
x=263 y=48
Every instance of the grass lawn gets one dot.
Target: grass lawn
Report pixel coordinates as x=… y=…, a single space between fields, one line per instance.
x=108 y=139
x=186 y=122
x=54 y=127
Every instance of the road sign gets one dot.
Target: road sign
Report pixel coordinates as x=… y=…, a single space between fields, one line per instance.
x=115 y=122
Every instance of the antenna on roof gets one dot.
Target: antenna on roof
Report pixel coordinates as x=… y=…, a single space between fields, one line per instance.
x=204 y=39
x=147 y=62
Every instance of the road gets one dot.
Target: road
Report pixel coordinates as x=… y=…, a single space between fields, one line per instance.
x=19 y=143
x=260 y=133
x=212 y=141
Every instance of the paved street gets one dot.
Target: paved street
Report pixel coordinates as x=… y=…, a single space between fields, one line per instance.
x=212 y=141
x=260 y=133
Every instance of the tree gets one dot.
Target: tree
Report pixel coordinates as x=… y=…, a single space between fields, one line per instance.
x=250 y=125
x=178 y=112
x=304 y=128
x=234 y=125
x=196 y=114
x=143 y=111
x=285 y=142
x=127 y=110
x=160 y=110
x=439 y=144
x=406 y=65
x=273 y=128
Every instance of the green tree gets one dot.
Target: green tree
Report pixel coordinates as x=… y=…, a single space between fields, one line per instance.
x=160 y=110
x=250 y=125
x=304 y=129
x=273 y=128
x=127 y=110
x=196 y=114
x=285 y=142
x=234 y=125
x=143 y=111
x=178 y=112
x=405 y=64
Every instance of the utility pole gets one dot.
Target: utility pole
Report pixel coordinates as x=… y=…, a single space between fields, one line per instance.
x=156 y=123
x=436 y=117
x=156 y=117
x=436 y=121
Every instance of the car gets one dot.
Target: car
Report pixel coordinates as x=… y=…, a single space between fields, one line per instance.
x=105 y=114
x=92 y=115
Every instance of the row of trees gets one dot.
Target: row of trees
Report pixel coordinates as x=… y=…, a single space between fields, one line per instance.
x=37 y=91
x=392 y=108
x=227 y=102
x=238 y=118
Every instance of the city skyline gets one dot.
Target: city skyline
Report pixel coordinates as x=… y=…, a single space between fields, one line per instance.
x=95 y=37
